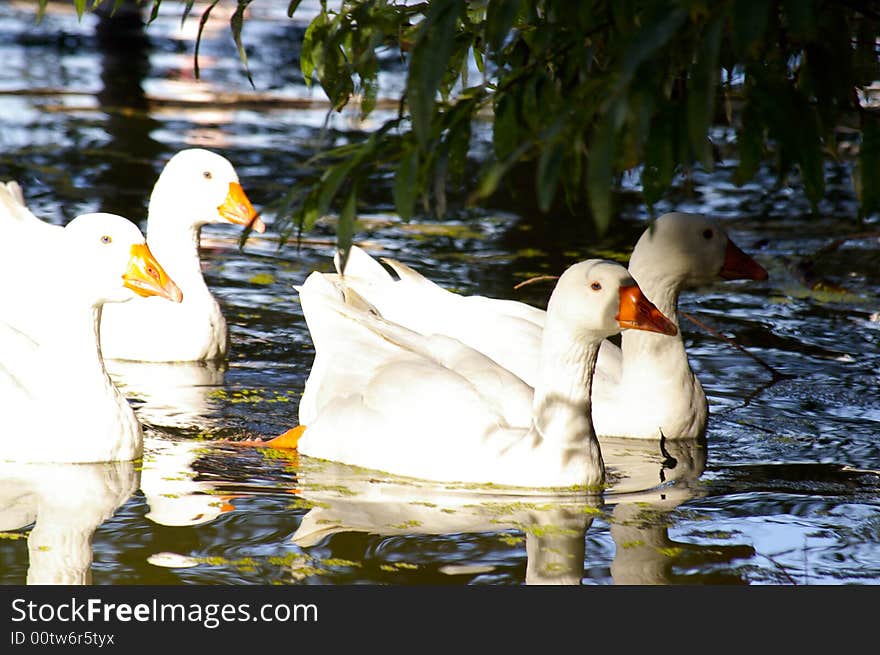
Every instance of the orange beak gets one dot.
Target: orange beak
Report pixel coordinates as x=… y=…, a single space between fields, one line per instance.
x=237 y=208
x=639 y=313
x=146 y=277
x=739 y=266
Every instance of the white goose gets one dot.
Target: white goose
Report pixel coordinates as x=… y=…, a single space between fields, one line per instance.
x=430 y=407
x=58 y=402
x=679 y=251
x=196 y=187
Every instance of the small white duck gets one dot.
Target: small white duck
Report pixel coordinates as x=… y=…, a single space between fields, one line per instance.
x=197 y=187
x=58 y=402
x=430 y=407
x=678 y=251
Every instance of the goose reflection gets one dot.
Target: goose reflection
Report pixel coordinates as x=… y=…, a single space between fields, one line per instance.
x=649 y=481
x=171 y=488
x=652 y=479
x=65 y=503
x=349 y=499
x=176 y=396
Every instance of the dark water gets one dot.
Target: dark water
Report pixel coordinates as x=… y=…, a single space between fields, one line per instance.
x=784 y=492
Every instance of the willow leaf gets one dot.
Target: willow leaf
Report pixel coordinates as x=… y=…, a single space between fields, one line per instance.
x=701 y=94
x=204 y=19
x=500 y=15
x=549 y=169
x=430 y=57
x=291 y=8
x=154 y=11
x=186 y=10
x=405 y=184
x=868 y=169
x=235 y=24
x=600 y=174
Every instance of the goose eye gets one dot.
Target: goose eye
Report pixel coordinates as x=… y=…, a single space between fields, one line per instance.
x=106 y=239
x=596 y=286
x=207 y=175
x=708 y=234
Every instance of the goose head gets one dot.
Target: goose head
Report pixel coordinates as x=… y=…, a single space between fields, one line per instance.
x=204 y=187
x=113 y=261
x=602 y=298
x=688 y=250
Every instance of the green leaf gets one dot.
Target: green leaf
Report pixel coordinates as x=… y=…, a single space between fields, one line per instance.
x=235 y=23
x=659 y=157
x=530 y=107
x=701 y=93
x=369 y=94
x=748 y=20
x=186 y=10
x=80 y=6
x=334 y=72
x=331 y=181
x=202 y=21
x=291 y=8
x=868 y=167
x=622 y=14
x=490 y=180
x=600 y=175
x=799 y=17
x=442 y=161
x=549 y=168
x=646 y=42
x=478 y=60
x=459 y=145
x=154 y=12
x=41 y=11
x=750 y=145
x=405 y=184
x=493 y=173
x=430 y=55
x=311 y=47
x=345 y=228
x=308 y=214
x=505 y=130
x=499 y=19
x=812 y=162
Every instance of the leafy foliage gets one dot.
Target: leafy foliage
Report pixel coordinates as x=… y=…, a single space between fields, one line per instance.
x=584 y=92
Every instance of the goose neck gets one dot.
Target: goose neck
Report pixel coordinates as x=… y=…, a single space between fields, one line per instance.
x=663 y=291
x=176 y=247
x=561 y=406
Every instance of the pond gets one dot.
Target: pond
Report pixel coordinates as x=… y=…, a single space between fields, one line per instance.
x=785 y=490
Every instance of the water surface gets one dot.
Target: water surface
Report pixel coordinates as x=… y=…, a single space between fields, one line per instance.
x=784 y=491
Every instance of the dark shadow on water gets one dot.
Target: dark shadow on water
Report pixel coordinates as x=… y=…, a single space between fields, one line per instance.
x=126 y=171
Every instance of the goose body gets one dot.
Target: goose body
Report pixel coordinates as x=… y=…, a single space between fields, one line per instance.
x=196 y=187
x=58 y=402
x=679 y=251
x=388 y=398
